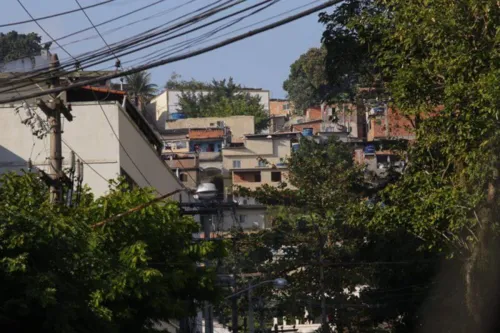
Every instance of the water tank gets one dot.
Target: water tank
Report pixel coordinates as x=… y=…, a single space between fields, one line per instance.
x=370 y=149
x=177 y=116
x=307 y=132
x=295 y=147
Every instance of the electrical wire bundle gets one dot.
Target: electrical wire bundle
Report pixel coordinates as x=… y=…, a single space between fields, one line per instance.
x=218 y=15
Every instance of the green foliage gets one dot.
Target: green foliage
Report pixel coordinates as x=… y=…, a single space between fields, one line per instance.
x=222 y=99
x=176 y=82
x=140 y=87
x=349 y=42
x=319 y=219
x=61 y=275
x=438 y=60
x=15 y=46
x=307 y=82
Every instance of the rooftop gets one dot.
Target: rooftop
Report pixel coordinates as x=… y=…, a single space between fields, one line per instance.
x=273 y=135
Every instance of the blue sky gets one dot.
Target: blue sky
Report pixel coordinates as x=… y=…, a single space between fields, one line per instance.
x=261 y=61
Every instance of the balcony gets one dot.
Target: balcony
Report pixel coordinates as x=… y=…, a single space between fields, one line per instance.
x=208 y=156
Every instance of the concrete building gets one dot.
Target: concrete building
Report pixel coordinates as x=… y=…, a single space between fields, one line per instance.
x=280 y=107
x=261 y=160
x=111 y=136
x=239 y=125
x=27 y=64
x=273 y=148
x=386 y=123
x=165 y=106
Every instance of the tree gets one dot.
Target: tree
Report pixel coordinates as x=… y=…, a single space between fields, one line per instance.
x=60 y=274
x=140 y=87
x=177 y=83
x=222 y=99
x=17 y=46
x=307 y=82
x=439 y=65
x=317 y=223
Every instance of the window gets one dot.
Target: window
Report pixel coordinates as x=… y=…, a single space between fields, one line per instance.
x=236 y=164
x=245 y=201
x=246 y=177
x=286 y=106
x=180 y=144
x=243 y=219
x=258 y=178
x=183 y=177
x=275 y=176
x=211 y=147
x=262 y=163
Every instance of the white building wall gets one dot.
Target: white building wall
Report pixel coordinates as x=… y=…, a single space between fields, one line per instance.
x=91 y=137
x=140 y=157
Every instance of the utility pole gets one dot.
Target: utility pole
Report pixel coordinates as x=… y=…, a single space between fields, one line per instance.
x=53 y=110
x=234 y=312
x=250 y=309
x=324 y=321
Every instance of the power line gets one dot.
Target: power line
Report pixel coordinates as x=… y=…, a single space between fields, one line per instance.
x=84 y=162
x=100 y=105
x=54 y=15
x=184 y=56
x=112 y=20
x=137 y=39
x=45 y=31
x=97 y=30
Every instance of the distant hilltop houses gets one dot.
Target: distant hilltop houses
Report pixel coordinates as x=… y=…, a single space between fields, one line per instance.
x=165 y=106
x=160 y=147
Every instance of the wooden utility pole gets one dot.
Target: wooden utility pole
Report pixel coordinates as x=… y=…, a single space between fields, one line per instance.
x=53 y=110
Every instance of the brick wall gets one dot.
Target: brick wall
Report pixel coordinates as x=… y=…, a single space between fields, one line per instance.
x=277 y=107
x=391 y=125
x=313 y=113
x=316 y=126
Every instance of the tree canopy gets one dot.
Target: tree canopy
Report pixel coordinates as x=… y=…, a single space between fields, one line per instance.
x=316 y=223
x=140 y=87
x=14 y=45
x=306 y=84
x=60 y=274
x=222 y=98
x=437 y=61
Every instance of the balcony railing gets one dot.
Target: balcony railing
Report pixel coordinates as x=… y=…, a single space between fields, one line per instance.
x=210 y=156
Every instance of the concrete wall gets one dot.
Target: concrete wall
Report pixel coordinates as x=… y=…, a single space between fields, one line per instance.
x=141 y=161
x=239 y=125
x=91 y=137
x=273 y=150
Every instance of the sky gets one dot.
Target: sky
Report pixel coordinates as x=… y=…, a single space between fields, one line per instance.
x=262 y=61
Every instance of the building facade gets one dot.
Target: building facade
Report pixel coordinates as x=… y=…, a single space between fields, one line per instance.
x=239 y=125
x=165 y=106
x=280 y=107
x=111 y=136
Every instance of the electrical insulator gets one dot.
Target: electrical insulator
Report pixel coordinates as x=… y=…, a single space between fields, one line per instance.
x=30 y=165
